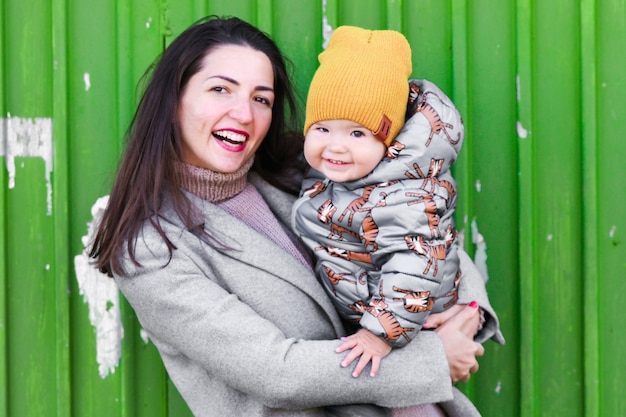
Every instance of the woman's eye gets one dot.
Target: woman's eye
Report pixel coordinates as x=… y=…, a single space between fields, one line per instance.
x=219 y=89
x=264 y=100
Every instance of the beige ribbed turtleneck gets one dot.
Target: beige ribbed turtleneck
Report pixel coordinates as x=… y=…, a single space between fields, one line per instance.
x=210 y=185
x=233 y=193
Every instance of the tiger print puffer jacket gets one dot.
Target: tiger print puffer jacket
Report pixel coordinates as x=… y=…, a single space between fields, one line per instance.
x=385 y=244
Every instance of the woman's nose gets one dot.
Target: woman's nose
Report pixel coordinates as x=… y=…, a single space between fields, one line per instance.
x=241 y=111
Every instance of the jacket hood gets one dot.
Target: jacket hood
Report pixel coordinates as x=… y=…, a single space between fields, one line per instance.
x=428 y=144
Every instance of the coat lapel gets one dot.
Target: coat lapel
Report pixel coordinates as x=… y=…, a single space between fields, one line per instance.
x=273 y=259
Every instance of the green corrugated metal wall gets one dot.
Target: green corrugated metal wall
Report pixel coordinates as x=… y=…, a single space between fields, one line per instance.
x=540 y=85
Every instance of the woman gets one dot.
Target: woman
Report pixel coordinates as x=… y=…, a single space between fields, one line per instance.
x=194 y=236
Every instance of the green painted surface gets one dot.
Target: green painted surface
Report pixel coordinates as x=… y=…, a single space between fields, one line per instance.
x=540 y=86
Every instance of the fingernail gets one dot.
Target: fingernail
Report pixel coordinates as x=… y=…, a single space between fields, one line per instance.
x=473 y=304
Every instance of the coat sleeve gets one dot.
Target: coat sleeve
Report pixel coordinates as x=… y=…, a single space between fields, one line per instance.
x=192 y=318
x=472 y=288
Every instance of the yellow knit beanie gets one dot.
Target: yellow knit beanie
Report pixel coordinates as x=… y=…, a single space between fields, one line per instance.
x=363 y=76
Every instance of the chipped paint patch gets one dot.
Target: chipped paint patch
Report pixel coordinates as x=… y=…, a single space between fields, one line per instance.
x=149 y=23
x=521 y=132
x=479 y=186
x=25 y=137
x=87 y=81
x=327 y=29
x=144 y=336
x=612 y=231
x=499 y=387
x=480 y=257
x=100 y=292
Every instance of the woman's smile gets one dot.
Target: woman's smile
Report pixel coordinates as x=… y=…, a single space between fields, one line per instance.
x=231 y=140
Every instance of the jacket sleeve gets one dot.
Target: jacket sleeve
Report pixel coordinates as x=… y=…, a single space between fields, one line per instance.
x=472 y=288
x=192 y=318
x=411 y=253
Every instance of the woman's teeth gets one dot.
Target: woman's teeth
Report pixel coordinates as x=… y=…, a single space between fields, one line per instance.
x=231 y=137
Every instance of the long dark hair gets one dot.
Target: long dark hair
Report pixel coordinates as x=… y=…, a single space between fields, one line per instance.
x=154 y=144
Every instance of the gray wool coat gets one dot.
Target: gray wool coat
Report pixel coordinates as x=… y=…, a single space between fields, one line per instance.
x=249 y=331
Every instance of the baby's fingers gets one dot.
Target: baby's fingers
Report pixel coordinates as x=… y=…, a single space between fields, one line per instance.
x=350 y=357
x=347 y=344
x=375 y=366
x=361 y=364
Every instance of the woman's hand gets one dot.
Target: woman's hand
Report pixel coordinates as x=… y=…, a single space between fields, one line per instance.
x=457 y=333
x=437 y=319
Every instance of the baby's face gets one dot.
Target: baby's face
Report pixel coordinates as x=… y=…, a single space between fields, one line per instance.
x=342 y=150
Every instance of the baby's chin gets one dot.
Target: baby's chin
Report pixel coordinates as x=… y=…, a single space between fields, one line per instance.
x=334 y=177
x=338 y=172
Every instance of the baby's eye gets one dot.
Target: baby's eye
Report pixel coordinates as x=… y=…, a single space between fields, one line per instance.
x=322 y=129
x=358 y=134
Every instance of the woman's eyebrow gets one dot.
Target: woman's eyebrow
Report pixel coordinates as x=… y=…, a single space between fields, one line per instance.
x=223 y=77
x=233 y=81
x=264 y=88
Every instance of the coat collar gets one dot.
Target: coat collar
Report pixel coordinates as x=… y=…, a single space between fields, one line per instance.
x=245 y=241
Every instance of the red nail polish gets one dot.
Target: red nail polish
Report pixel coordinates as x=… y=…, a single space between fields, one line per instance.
x=473 y=304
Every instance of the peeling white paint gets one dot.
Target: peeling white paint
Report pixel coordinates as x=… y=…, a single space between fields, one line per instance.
x=102 y=295
x=144 y=336
x=327 y=29
x=480 y=257
x=550 y=238
x=478 y=186
x=149 y=23
x=87 y=81
x=612 y=232
x=26 y=137
x=522 y=133
x=499 y=387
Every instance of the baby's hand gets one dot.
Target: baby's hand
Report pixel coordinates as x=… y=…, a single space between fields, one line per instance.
x=367 y=346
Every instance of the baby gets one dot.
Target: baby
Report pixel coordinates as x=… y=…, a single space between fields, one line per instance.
x=377 y=204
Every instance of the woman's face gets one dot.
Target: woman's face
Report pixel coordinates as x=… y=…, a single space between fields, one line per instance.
x=226 y=108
